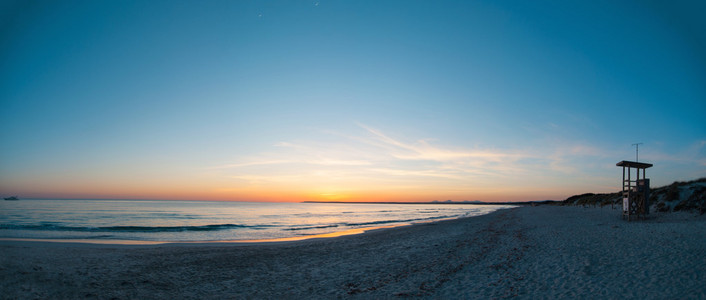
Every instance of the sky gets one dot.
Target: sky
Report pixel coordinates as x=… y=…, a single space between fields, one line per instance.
x=348 y=100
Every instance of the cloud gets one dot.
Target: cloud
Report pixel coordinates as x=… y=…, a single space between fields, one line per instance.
x=334 y=162
x=371 y=158
x=251 y=163
x=416 y=173
x=374 y=155
x=422 y=150
x=693 y=153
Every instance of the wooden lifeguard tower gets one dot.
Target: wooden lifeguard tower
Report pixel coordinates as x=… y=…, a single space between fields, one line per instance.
x=636 y=193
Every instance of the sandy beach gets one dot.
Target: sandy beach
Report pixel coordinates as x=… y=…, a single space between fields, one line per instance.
x=525 y=252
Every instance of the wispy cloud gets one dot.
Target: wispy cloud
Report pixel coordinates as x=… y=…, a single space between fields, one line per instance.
x=422 y=150
x=695 y=152
x=251 y=163
x=374 y=158
x=416 y=173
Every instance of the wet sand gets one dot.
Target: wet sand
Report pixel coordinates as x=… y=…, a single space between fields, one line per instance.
x=526 y=252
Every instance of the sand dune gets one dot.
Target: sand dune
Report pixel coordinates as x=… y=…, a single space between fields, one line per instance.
x=529 y=252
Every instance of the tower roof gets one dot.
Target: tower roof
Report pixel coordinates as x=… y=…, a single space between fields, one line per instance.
x=633 y=164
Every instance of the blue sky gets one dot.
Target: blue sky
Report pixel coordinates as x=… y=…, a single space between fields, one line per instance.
x=347 y=100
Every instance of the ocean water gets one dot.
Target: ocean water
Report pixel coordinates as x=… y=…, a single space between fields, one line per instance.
x=135 y=220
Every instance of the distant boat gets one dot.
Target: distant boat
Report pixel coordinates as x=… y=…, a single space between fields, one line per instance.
x=12 y=198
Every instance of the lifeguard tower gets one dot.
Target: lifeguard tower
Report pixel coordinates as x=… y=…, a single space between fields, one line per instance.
x=636 y=193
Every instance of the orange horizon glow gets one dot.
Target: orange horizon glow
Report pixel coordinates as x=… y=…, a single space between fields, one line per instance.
x=294 y=196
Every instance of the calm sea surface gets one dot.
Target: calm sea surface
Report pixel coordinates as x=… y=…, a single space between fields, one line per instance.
x=134 y=220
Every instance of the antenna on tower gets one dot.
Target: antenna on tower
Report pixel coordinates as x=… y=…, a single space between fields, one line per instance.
x=637 y=147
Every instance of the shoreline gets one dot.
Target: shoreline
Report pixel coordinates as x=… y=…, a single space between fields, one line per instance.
x=118 y=243
x=526 y=252
x=146 y=243
x=192 y=223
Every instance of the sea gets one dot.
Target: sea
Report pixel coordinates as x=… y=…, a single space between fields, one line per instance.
x=204 y=221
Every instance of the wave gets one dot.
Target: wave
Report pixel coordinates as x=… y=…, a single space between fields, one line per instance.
x=371 y=223
x=212 y=227
x=399 y=221
x=312 y=227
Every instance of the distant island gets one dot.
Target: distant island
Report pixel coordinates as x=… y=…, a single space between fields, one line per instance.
x=445 y=202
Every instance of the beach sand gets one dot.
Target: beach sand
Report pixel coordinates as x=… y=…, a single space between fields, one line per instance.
x=525 y=252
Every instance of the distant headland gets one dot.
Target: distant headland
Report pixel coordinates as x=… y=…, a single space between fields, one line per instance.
x=678 y=196
x=445 y=202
